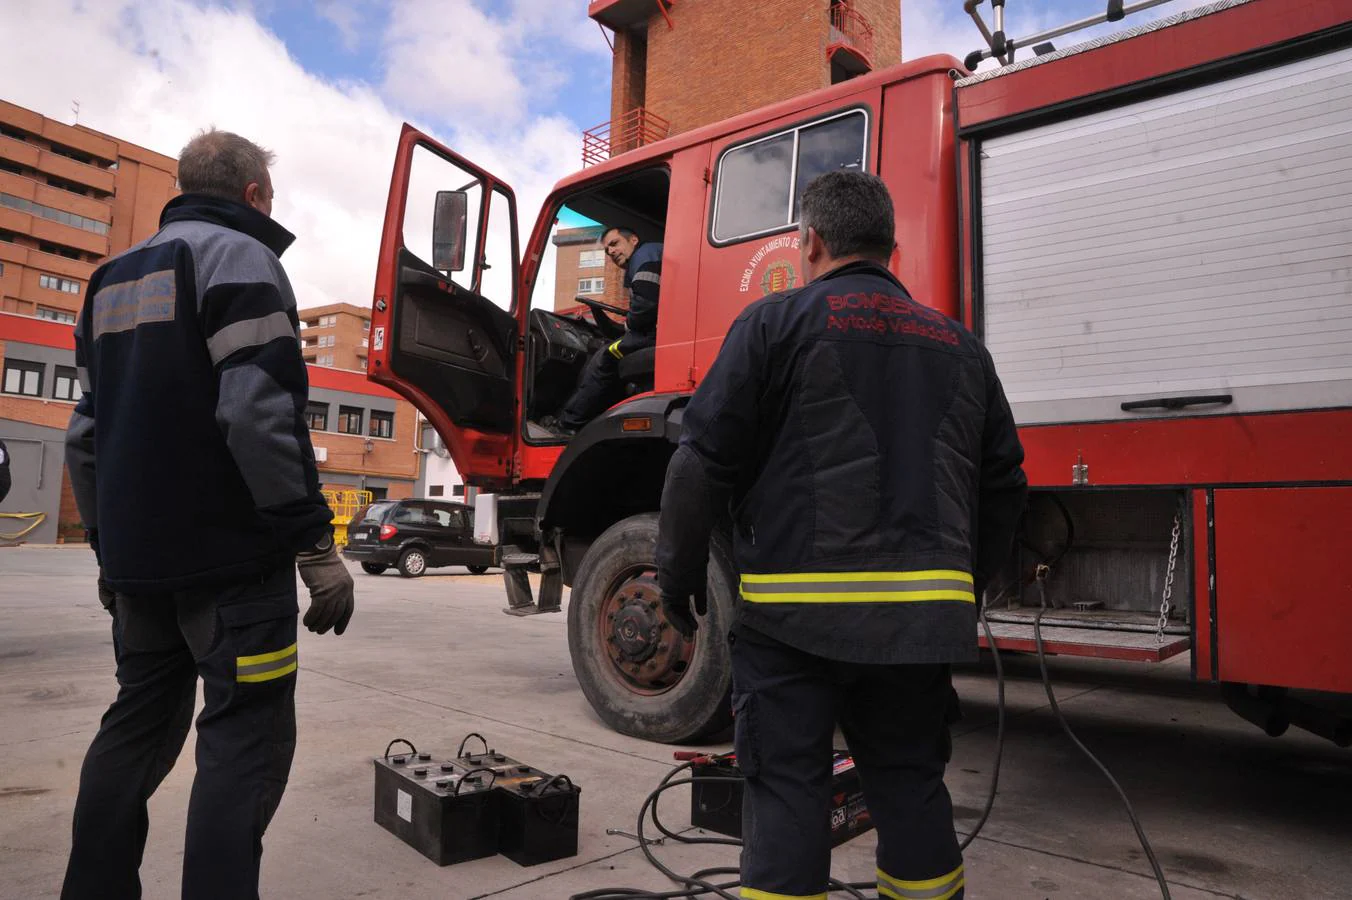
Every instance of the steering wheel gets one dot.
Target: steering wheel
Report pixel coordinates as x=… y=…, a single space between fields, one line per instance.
x=608 y=327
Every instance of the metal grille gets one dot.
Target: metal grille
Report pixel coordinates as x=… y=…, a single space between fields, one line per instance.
x=634 y=129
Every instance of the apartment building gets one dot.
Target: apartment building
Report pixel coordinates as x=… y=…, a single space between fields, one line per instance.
x=336 y=336
x=70 y=196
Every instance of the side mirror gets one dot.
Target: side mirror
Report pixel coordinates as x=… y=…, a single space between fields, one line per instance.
x=449 y=225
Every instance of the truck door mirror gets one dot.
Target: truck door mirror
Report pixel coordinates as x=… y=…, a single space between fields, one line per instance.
x=449 y=231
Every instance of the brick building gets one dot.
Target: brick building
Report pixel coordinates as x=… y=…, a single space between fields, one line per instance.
x=581 y=267
x=680 y=64
x=364 y=436
x=69 y=197
x=336 y=336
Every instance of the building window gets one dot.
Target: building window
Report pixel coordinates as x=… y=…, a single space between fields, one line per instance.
x=55 y=283
x=365 y=326
x=56 y=215
x=328 y=340
x=56 y=315
x=2 y=268
x=591 y=285
x=22 y=377
x=760 y=183
x=458 y=491
x=66 y=384
x=382 y=424
x=436 y=490
x=324 y=360
x=327 y=321
x=317 y=416
x=349 y=420
x=591 y=259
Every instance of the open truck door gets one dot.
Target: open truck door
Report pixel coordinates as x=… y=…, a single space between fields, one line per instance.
x=443 y=333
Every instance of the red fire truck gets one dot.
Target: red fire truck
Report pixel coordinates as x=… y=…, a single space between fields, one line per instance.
x=1152 y=232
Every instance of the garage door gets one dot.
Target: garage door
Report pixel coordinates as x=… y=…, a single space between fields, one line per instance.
x=1198 y=244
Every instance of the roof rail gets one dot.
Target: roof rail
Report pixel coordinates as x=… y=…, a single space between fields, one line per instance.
x=1000 y=47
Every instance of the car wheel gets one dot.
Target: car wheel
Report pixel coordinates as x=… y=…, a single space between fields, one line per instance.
x=477 y=570
x=373 y=568
x=412 y=562
x=642 y=678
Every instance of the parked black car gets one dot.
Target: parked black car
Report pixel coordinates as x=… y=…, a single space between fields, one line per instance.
x=415 y=535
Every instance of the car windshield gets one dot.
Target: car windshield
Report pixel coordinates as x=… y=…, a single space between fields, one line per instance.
x=374 y=513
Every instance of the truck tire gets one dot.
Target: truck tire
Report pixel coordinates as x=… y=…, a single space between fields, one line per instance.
x=477 y=570
x=413 y=562
x=373 y=568
x=642 y=678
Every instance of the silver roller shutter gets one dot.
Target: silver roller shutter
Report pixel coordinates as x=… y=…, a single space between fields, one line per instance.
x=1192 y=244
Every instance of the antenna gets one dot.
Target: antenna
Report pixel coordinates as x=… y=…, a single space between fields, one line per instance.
x=75 y=108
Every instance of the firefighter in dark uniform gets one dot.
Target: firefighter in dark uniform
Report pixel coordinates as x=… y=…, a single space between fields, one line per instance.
x=192 y=466
x=599 y=386
x=865 y=450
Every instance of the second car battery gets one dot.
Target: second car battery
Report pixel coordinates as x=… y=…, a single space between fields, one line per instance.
x=445 y=811
x=716 y=804
x=538 y=818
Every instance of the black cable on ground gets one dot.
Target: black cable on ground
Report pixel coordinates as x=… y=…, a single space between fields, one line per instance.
x=1065 y=726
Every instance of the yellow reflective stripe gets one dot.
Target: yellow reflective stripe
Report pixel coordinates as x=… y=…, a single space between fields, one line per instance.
x=846 y=577
x=753 y=894
x=264 y=657
x=941 y=888
x=861 y=597
x=615 y=350
x=268 y=676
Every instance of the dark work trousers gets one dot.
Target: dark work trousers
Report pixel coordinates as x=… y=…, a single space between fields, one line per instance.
x=599 y=387
x=895 y=721
x=241 y=640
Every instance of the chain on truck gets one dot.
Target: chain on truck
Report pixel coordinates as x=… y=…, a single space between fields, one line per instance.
x=1151 y=232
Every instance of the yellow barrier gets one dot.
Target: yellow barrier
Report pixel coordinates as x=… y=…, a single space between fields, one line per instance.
x=345 y=505
x=34 y=518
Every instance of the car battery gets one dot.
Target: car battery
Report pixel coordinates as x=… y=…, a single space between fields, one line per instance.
x=444 y=810
x=538 y=816
x=716 y=805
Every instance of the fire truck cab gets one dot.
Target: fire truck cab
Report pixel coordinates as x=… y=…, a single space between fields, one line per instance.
x=1151 y=234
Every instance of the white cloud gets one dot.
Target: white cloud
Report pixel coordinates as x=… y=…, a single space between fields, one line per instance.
x=156 y=71
x=346 y=16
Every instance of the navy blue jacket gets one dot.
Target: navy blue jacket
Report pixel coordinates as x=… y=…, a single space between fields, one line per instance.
x=643 y=281
x=189 y=454
x=864 y=449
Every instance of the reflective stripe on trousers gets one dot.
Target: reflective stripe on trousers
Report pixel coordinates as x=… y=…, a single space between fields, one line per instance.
x=858 y=587
x=945 y=887
x=753 y=894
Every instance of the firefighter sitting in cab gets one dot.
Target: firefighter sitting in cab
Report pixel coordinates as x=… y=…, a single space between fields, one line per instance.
x=600 y=386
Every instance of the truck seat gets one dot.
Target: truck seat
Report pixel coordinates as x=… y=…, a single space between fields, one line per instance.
x=636 y=370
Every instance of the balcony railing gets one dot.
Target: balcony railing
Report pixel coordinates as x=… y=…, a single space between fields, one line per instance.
x=852 y=28
x=632 y=130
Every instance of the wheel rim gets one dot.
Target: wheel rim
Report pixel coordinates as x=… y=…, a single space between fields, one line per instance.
x=415 y=563
x=646 y=655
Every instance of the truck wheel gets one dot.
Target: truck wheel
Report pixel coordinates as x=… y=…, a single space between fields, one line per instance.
x=373 y=568
x=412 y=563
x=477 y=570
x=642 y=678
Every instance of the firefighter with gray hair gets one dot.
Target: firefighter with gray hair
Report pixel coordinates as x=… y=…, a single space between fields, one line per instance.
x=192 y=466
x=860 y=445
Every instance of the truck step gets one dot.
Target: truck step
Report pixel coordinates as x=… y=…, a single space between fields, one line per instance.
x=531 y=610
x=1098 y=643
x=519 y=560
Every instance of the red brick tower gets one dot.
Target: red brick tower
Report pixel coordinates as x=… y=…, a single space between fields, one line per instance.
x=680 y=64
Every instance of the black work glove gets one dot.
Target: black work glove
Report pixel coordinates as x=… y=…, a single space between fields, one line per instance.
x=331 y=589
x=677 y=609
x=107 y=596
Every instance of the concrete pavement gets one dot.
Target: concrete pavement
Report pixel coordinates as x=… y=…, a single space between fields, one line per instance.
x=1231 y=812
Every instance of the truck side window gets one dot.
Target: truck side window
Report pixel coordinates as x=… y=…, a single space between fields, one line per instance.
x=760 y=182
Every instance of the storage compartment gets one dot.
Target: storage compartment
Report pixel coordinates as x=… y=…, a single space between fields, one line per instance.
x=1109 y=555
